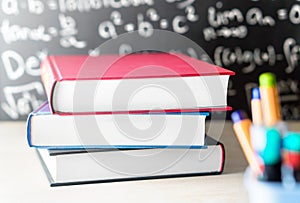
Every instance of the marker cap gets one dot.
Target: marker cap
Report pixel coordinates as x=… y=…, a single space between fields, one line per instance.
x=271 y=153
x=238 y=116
x=255 y=93
x=267 y=80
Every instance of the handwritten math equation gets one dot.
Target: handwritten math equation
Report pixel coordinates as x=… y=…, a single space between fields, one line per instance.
x=234 y=23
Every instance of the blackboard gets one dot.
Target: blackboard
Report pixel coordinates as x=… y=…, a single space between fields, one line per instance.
x=248 y=37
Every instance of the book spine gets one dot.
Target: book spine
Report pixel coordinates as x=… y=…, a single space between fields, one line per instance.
x=49 y=76
x=28 y=128
x=223 y=157
x=29 y=121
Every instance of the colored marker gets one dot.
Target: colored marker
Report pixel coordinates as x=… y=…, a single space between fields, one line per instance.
x=291 y=159
x=269 y=99
x=241 y=126
x=256 y=110
x=270 y=152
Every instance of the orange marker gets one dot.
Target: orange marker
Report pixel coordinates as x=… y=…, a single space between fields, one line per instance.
x=241 y=126
x=256 y=110
x=269 y=99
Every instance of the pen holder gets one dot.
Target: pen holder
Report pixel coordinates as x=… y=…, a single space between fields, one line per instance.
x=263 y=191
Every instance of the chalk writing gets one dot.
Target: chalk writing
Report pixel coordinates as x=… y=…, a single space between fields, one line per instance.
x=68 y=32
x=233 y=23
x=179 y=25
x=211 y=33
x=289 y=86
x=13 y=33
x=295 y=14
x=292 y=54
x=52 y=5
x=10 y=7
x=291 y=111
x=292 y=14
x=218 y=18
x=87 y=5
x=255 y=17
x=250 y=59
x=15 y=66
x=20 y=100
x=145 y=28
x=107 y=30
x=152 y=14
x=36 y=7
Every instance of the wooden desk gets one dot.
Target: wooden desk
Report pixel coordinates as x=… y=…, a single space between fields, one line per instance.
x=22 y=178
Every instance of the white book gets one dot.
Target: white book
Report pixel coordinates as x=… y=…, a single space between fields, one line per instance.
x=48 y=130
x=67 y=167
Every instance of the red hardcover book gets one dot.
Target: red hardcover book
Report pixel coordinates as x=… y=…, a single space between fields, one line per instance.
x=135 y=83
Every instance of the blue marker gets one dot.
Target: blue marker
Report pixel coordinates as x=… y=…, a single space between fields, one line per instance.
x=256 y=109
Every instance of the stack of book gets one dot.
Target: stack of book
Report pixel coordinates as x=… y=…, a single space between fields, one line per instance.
x=138 y=116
